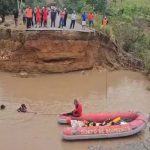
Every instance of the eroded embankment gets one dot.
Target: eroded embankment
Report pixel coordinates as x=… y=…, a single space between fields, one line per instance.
x=60 y=51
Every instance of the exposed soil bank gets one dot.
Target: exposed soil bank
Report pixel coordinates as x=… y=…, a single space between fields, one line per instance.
x=60 y=51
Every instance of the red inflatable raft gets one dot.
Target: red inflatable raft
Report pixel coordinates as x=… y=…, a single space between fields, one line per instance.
x=138 y=122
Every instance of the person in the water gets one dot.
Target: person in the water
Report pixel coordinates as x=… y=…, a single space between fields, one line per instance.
x=2 y=107
x=22 y=108
x=77 y=112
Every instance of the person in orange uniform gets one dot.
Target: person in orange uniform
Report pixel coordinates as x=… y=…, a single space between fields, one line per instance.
x=77 y=112
x=104 y=21
x=38 y=16
x=45 y=16
x=29 y=16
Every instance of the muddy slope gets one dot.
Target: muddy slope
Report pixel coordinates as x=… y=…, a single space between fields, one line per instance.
x=60 y=51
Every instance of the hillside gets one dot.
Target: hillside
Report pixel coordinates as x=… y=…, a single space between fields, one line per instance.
x=130 y=26
x=129 y=23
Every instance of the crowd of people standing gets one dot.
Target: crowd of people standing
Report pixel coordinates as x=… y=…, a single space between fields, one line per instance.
x=39 y=17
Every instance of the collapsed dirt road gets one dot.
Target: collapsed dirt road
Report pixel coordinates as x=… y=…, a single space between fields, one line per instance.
x=53 y=50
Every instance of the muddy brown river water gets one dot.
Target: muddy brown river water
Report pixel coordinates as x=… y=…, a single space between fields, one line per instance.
x=49 y=95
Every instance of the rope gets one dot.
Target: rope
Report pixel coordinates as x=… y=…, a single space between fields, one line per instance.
x=34 y=113
x=48 y=114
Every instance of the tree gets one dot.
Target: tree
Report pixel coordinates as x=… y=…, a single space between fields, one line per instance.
x=34 y=3
x=7 y=7
x=96 y=5
x=29 y=2
x=74 y=5
x=100 y=6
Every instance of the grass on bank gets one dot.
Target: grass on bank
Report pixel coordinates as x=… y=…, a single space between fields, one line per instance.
x=129 y=24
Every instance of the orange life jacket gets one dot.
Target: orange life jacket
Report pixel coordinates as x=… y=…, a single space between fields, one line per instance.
x=29 y=13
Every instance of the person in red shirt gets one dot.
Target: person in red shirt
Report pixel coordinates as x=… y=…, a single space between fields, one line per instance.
x=77 y=112
x=91 y=19
x=45 y=16
x=38 y=16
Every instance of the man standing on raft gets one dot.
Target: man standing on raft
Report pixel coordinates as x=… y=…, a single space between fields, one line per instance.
x=77 y=112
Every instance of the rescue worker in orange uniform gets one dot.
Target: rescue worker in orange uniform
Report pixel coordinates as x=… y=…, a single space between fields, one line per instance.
x=29 y=16
x=104 y=21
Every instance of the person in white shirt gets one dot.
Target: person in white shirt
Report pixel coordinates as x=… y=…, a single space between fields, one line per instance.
x=73 y=20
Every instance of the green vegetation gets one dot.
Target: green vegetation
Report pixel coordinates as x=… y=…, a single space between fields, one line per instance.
x=34 y=3
x=85 y=5
x=7 y=7
x=130 y=25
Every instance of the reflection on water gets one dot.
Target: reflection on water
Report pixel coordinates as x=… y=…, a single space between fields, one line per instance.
x=51 y=94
